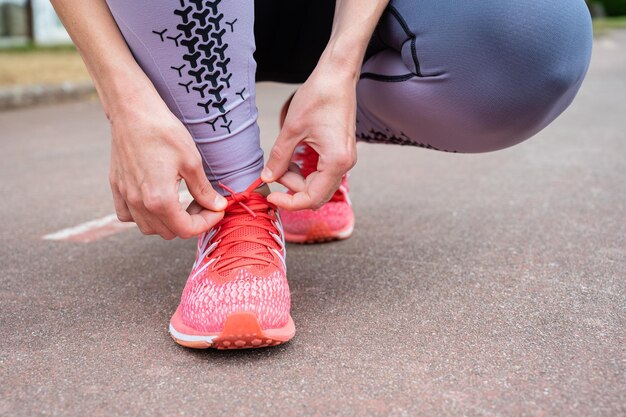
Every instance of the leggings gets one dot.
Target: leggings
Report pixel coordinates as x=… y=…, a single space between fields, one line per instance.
x=440 y=74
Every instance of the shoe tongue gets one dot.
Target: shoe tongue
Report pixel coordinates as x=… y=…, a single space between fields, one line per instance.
x=242 y=247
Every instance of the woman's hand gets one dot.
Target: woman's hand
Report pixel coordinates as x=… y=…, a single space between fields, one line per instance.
x=322 y=114
x=323 y=111
x=151 y=152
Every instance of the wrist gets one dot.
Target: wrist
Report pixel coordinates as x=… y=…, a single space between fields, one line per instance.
x=124 y=90
x=343 y=59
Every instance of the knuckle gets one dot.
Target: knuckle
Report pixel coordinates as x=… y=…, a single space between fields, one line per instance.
x=134 y=199
x=352 y=158
x=146 y=230
x=189 y=165
x=344 y=162
x=294 y=126
x=154 y=204
x=277 y=153
x=121 y=188
x=348 y=159
x=154 y=200
x=205 y=188
x=289 y=128
x=124 y=217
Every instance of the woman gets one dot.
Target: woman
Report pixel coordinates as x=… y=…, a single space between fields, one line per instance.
x=177 y=82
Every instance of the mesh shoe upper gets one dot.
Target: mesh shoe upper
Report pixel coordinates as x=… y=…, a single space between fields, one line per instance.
x=239 y=267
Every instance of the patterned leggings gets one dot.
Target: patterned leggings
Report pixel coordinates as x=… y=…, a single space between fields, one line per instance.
x=440 y=74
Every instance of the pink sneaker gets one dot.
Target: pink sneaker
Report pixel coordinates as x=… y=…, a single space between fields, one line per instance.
x=333 y=221
x=237 y=294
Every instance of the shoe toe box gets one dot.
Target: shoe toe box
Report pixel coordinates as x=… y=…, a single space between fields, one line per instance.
x=206 y=303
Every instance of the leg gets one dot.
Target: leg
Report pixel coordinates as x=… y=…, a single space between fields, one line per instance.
x=471 y=78
x=200 y=58
x=288 y=48
x=199 y=55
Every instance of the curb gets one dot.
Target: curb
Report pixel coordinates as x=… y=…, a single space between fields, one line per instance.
x=22 y=96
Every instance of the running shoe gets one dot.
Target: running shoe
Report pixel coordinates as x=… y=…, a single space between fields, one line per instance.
x=333 y=221
x=237 y=294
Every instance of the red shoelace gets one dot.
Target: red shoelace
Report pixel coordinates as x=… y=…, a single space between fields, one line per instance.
x=247 y=234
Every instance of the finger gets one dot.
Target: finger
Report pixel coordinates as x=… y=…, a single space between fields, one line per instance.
x=151 y=214
x=322 y=186
x=318 y=191
x=194 y=208
x=200 y=188
x=147 y=221
x=155 y=207
x=280 y=155
x=159 y=227
x=294 y=181
x=193 y=221
x=290 y=202
x=140 y=220
x=121 y=209
x=170 y=220
x=165 y=211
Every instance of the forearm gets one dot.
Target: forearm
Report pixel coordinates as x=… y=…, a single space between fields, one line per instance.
x=353 y=25
x=118 y=78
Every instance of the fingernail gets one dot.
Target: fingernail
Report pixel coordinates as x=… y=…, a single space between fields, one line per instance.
x=220 y=201
x=266 y=174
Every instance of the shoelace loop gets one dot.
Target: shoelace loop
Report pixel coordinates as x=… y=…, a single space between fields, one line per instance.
x=229 y=256
x=239 y=198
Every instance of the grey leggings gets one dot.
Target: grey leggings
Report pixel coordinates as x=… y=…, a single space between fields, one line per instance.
x=440 y=74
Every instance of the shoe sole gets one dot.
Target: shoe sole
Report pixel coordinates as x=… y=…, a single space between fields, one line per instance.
x=319 y=233
x=241 y=331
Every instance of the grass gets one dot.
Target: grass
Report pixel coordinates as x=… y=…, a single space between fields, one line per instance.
x=603 y=25
x=29 y=65
x=32 y=48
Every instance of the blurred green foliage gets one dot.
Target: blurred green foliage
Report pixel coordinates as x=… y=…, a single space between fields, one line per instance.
x=612 y=7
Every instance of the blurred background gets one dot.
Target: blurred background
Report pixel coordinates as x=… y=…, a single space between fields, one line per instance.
x=37 y=53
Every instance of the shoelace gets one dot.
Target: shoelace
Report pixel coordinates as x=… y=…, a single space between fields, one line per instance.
x=307 y=159
x=226 y=254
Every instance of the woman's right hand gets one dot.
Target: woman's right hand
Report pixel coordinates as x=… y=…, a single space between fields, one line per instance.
x=151 y=151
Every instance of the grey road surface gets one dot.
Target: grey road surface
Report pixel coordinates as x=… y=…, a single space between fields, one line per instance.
x=474 y=285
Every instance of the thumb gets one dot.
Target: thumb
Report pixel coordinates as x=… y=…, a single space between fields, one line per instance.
x=201 y=190
x=280 y=157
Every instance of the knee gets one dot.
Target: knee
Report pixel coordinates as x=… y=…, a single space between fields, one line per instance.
x=538 y=54
x=546 y=39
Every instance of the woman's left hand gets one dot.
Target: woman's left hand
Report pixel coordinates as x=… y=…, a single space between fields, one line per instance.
x=322 y=114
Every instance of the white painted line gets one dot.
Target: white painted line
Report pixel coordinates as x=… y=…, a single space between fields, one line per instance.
x=102 y=227
x=66 y=234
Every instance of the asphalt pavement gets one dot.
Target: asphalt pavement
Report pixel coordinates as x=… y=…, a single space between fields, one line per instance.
x=474 y=285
